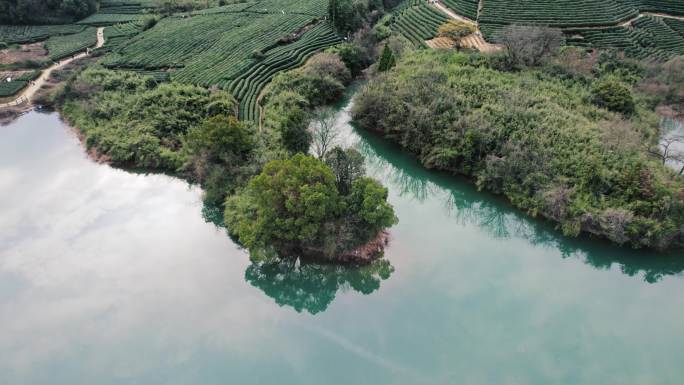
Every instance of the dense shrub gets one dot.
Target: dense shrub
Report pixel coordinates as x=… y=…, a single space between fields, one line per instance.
x=529 y=45
x=317 y=89
x=218 y=150
x=348 y=15
x=614 y=96
x=293 y=94
x=132 y=120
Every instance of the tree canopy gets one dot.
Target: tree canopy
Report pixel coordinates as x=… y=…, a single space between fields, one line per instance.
x=387 y=60
x=293 y=207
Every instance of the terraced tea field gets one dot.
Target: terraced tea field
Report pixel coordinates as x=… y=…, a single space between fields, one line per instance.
x=23 y=34
x=646 y=29
x=467 y=8
x=671 y=7
x=647 y=38
x=113 y=12
x=59 y=40
x=239 y=47
x=119 y=33
x=496 y=14
x=247 y=86
x=62 y=46
x=418 y=23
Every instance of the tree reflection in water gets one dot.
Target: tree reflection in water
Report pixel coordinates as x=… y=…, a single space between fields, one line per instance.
x=311 y=286
x=307 y=286
x=401 y=172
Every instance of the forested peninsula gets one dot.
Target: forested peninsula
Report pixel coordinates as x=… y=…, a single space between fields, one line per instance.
x=571 y=140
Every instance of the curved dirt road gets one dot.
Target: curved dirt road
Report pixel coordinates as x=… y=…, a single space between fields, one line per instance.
x=28 y=92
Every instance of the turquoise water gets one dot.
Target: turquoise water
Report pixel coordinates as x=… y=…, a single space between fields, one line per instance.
x=674 y=128
x=111 y=277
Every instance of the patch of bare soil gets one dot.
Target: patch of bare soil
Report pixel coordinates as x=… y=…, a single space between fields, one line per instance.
x=440 y=42
x=34 y=51
x=476 y=41
x=57 y=78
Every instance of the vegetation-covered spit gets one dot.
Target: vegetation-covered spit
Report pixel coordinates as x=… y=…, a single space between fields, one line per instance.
x=303 y=207
x=542 y=138
x=280 y=202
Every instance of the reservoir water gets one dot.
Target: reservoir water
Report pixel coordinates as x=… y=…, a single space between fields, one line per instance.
x=113 y=277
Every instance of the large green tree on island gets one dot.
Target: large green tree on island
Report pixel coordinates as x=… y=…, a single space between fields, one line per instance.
x=294 y=207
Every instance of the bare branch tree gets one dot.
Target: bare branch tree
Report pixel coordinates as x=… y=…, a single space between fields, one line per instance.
x=324 y=131
x=529 y=45
x=670 y=148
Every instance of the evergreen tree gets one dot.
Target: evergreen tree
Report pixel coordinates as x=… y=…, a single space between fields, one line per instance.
x=387 y=60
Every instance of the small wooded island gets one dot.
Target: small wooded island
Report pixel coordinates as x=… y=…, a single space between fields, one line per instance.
x=304 y=207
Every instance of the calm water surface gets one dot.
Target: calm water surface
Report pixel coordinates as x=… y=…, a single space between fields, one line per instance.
x=111 y=277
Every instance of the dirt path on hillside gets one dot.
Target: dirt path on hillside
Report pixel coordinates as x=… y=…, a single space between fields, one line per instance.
x=28 y=92
x=452 y=14
x=629 y=22
x=665 y=15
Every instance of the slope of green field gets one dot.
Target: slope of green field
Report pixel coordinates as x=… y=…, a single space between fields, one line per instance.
x=237 y=47
x=62 y=46
x=22 y=34
x=672 y=7
x=11 y=88
x=467 y=8
x=588 y=23
x=303 y=7
x=647 y=38
x=116 y=34
x=676 y=25
x=418 y=23
x=247 y=87
x=120 y=11
x=103 y=19
x=556 y=13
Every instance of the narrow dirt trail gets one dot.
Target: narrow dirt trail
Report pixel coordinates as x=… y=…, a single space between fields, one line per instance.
x=28 y=92
x=665 y=15
x=453 y=15
x=629 y=22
